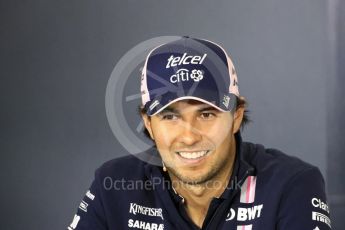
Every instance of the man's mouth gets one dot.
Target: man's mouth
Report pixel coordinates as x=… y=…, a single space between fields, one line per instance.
x=193 y=155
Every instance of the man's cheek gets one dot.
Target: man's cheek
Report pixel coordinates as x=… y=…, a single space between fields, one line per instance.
x=216 y=137
x=166 y=139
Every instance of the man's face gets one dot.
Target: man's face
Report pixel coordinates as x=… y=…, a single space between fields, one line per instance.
x=194 y=139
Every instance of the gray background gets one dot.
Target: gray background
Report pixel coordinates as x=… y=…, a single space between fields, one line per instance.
x=56 y=58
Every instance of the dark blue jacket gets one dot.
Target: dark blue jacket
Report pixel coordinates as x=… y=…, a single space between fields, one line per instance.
x=268 y=190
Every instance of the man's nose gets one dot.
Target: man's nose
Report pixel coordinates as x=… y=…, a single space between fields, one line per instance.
x=190 y=134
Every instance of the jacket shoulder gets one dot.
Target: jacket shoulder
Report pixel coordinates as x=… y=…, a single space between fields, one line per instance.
x=126 y=167
x=273 y=160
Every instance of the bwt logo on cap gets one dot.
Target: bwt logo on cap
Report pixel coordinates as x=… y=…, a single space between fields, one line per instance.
x=185 y=60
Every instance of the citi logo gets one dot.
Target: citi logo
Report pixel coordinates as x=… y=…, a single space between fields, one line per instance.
x=184 y=75
x=185 y=60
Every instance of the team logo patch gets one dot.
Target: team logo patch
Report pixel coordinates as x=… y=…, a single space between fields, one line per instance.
x=196 y=75
x=318 y=203
x=135 y=209
x=83 y=206
x=90 y=195
x=245 y=214
x=226 y=101
x=74 y=223
x=321 y=218
x=182 y=75
x=154 y=104
x=185 y=60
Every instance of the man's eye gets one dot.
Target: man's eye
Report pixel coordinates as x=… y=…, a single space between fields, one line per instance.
x=207 y=115
x=169 y=116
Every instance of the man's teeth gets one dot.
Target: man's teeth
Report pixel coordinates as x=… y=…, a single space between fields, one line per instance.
x=193 y=155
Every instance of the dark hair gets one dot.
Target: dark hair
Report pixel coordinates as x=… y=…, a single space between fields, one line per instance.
x=241 y=102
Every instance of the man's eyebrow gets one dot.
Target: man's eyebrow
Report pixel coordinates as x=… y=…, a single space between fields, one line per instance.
x=207 y=108
x=169 y=110
x=174 y=110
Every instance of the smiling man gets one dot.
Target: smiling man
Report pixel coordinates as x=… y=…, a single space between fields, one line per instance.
x=198 y=147
x=207 y=177
x=198 y=143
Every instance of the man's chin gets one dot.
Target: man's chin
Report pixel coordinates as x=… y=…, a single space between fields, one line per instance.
x=191 y=178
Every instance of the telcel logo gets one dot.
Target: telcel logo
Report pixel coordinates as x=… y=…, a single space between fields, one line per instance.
x=184 y=75
x=185 y=60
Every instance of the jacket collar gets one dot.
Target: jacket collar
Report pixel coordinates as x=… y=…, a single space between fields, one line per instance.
x=241 y=169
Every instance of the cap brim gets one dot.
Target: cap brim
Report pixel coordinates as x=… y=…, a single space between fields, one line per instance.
x=188 y=98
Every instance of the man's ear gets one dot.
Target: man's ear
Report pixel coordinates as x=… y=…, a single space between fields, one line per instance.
x=147 y=123
x=238 y=117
